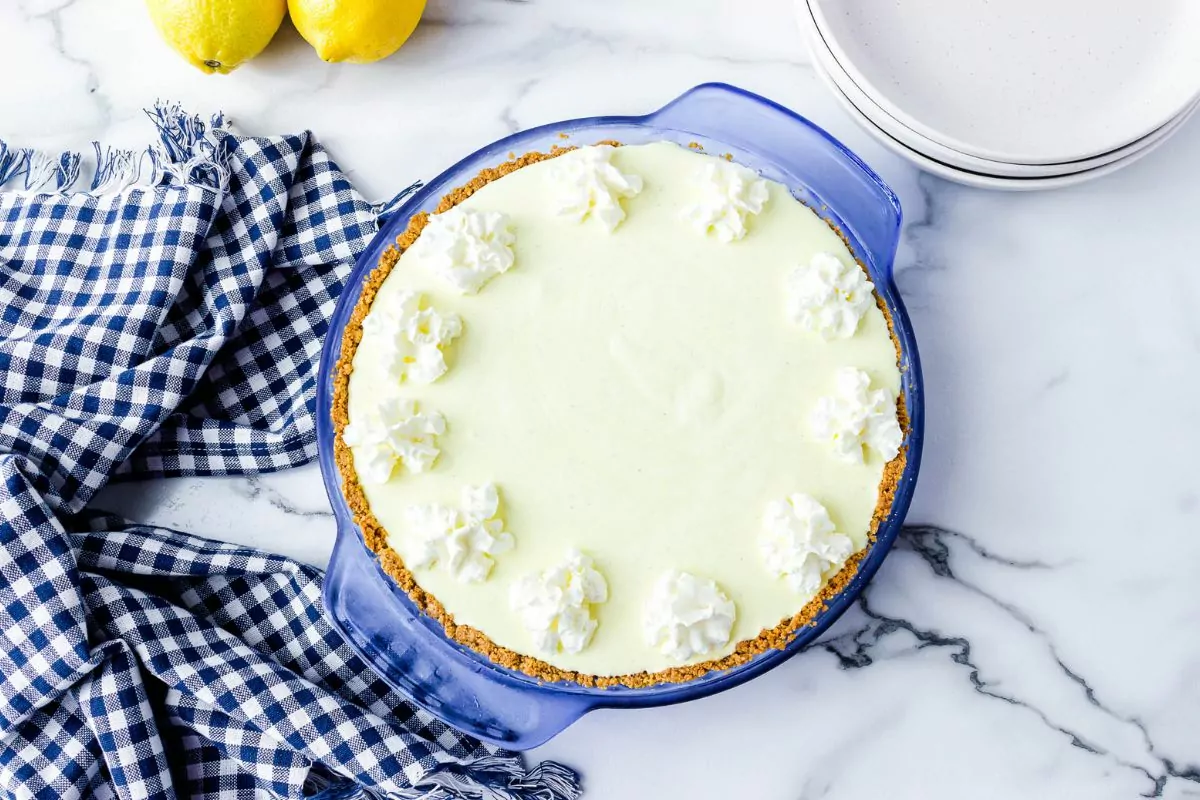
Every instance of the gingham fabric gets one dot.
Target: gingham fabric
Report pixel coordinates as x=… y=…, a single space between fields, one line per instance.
x=172 y=326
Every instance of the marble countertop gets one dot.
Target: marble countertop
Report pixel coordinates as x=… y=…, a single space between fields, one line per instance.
x=1035 y=634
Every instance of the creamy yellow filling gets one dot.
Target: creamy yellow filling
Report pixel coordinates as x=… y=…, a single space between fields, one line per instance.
x=640 y=395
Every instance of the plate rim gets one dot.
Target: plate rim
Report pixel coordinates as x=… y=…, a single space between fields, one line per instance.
x=982 y=180
x=954 y=143
x=836 y=72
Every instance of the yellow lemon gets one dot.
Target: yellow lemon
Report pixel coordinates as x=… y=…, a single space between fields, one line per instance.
x=355 y=30
x=217 y=35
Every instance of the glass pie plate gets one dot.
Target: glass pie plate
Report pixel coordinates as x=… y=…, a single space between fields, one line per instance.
x=412 y=651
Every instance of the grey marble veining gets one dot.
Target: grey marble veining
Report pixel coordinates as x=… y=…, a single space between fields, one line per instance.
x=1034 y=634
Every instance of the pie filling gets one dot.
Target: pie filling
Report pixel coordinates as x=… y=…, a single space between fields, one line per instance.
x=621 y=414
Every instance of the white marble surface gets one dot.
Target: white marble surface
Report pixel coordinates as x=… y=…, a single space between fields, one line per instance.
x=1040 y=642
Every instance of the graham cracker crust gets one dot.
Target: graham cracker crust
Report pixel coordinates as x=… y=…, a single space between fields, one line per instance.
x=376 y=537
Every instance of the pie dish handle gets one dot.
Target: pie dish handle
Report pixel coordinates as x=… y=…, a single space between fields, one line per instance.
x=413 y=655
x=838 y=182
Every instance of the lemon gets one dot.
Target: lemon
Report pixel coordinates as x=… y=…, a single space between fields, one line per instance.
x=217 y=35
x=355 y=30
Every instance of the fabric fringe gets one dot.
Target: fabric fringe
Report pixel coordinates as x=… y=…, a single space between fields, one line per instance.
x=487 y=778
x=324 y=785
x=189 y=152
x=118 y=170
x=497 y=778
x=7 y=161
x=29 y=170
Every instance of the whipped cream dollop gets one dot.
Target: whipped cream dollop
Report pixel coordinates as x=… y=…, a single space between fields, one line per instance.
x=556 y=605
x=687 y=616
x=462 y=541
x=799 y=542
x=727 y=195
x=413 y=334
x=856 y=417
x=465 y=247
x=393 y=432
x=590 y=186
x=828 y=296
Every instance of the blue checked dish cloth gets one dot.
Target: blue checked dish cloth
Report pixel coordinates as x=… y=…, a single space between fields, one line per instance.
x=169 y=322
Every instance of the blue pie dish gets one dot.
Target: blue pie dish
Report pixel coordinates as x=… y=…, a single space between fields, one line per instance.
x=412 y=651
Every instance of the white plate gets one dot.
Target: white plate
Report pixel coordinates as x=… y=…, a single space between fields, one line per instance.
x=1021 y=81
x=820 y=50
x=984 y=181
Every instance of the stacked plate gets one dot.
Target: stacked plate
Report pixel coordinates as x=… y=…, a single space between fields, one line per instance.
x=1020 y=94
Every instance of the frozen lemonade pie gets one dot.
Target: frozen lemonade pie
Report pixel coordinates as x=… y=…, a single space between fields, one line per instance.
x=619 y=414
